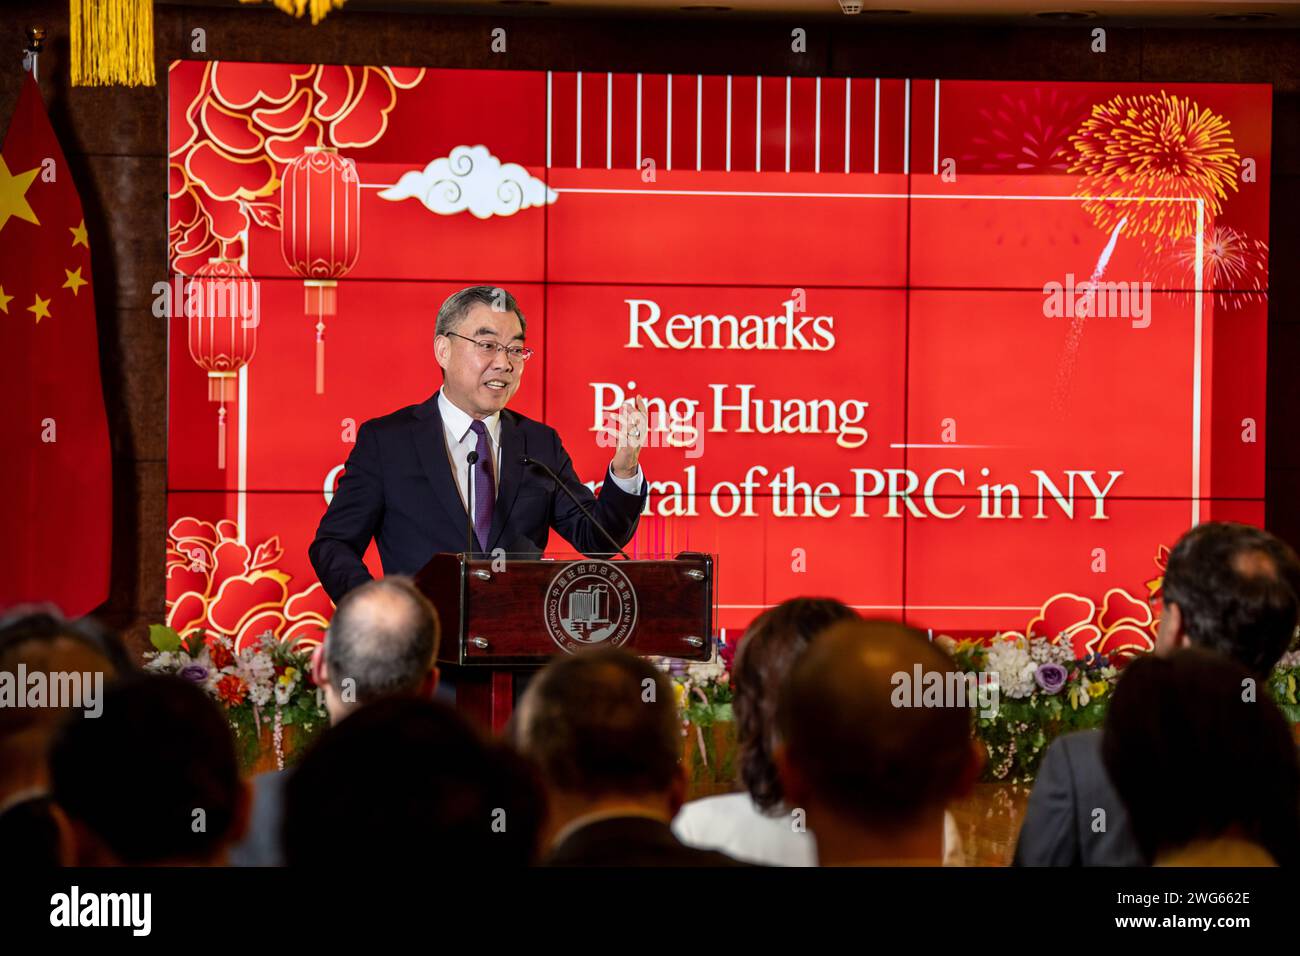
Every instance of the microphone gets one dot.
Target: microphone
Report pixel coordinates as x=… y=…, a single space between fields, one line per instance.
x=472 y=460
x=526 y=461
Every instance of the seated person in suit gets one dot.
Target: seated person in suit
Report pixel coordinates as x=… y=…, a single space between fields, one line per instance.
x=32 y=831
x=132 y=781
x=408 y=482
x=602 y=727
x=1204 y=762
x=755 y=824
x=382 y=642
x=409 y=782
x=873 y=779
x=1229 y=588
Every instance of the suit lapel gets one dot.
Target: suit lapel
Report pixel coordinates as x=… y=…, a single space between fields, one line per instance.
x=431 y=447
x=512 y=473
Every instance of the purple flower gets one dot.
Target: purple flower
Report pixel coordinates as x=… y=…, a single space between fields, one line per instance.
x=1050 y=677
x=195 y=673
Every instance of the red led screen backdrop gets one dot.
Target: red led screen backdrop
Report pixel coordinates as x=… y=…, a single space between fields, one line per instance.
x=942 y=350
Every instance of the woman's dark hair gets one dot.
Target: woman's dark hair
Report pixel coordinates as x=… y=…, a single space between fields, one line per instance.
x=768 y=650
x=1197 y=750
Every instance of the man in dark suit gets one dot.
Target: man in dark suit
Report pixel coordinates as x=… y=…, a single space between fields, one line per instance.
x=409 y=483
x=1228 y=588
x=602 y=728
x=382 y=643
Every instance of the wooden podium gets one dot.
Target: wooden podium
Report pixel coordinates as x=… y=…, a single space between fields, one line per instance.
x=505 y=615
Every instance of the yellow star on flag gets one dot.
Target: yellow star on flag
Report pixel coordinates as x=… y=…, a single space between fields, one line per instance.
x=75 y=282
x=4 y=301
x=13 y=194
x=41 y=307
x=79 y=234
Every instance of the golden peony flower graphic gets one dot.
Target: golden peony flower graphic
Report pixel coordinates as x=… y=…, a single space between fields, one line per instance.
x=1149 y=158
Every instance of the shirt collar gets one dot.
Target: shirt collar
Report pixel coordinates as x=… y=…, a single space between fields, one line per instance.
x=457 y=422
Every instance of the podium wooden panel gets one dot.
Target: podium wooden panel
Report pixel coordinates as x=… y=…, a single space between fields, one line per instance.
x=506 y=615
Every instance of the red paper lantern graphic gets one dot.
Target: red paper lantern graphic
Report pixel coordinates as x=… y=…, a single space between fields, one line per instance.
x=320 y=231
x=222 y=311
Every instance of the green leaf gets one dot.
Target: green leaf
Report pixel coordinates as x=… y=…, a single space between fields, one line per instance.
x=164 y=638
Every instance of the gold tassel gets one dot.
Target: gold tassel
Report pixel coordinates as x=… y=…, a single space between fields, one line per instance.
x=296 y=8
x=112 y=42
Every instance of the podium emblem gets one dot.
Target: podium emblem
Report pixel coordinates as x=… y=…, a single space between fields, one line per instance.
x=590 y=604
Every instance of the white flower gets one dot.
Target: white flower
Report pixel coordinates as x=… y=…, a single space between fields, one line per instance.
x=1011 y=666
x=164 y=662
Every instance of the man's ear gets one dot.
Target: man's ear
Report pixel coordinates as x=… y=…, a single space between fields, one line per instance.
x=1172 y=633
x=793 y=784
x=442 y=351
x=430 y=685
x=319 y=672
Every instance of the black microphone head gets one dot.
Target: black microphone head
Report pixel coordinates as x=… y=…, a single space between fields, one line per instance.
x=472 y=458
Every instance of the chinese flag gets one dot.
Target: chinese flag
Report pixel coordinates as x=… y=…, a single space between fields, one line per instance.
x=56 y=481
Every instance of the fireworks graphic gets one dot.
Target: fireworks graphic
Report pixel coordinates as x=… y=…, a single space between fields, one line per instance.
x=1133 y=149
x=1025 y=134
x=1231 y=262
x=1065 y=368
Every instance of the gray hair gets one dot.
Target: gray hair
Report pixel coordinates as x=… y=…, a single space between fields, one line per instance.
x=458 y=304
x=384 y=637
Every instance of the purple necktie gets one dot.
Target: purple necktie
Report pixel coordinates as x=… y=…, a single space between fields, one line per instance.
x=485 y=489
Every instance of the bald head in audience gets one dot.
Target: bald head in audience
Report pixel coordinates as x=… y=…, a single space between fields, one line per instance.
x=873 y=777
x=382 y=642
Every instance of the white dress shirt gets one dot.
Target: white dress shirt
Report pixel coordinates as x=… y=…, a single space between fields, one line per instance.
x=461 y=440
x=733 y=823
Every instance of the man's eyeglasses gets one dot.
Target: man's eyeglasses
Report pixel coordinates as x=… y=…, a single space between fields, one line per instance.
x=519 y=353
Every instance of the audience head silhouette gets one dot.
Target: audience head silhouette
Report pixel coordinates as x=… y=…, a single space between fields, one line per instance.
x=382 y=642
x=874 y=778
x=409 y=779
x=772 y=643
x=1203 y=760
x=42 y=640
x=1233 y=589
x=133 y=780
x=603 y=724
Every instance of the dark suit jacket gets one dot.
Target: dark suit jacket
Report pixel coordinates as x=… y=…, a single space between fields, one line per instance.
x=261 y=844
x=398 y=488
x=631 y=841
x=1059 y=828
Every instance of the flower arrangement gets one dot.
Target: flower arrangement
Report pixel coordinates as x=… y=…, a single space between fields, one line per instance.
x=266 y=685
x=703 y=695
x=1043 y=690
x=1282 y=684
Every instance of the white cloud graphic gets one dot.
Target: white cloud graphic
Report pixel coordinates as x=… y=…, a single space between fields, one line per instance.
x=472 y=179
